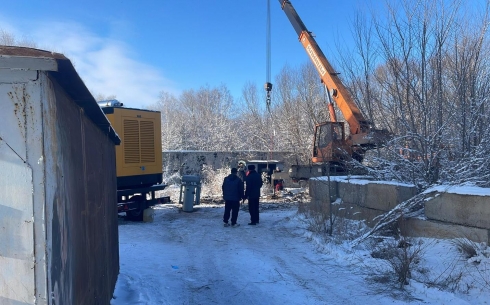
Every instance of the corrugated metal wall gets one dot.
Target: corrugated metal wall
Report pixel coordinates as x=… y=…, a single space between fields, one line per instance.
x=83 y=234
x=17 y=171
x=58 y=205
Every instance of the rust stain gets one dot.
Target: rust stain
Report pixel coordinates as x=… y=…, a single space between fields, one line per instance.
x=17 y=97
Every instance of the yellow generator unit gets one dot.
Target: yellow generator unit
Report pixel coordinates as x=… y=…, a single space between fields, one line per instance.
x=139 y=156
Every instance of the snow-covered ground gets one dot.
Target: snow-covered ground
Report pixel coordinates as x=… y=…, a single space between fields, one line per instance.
x=190 y=258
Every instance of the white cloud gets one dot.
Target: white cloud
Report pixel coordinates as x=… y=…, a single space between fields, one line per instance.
x=105 y=65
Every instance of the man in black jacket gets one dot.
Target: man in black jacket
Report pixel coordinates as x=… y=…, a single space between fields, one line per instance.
x=232 y=194
x=253 y=183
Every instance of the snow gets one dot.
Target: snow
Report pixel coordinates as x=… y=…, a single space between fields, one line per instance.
x=263 y=161
x=360 y=180
x=294 y=191
x=460 y=190
x=190 y=258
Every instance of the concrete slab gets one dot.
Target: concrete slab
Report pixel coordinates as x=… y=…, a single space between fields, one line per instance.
x=469 y=210
x=348 y=211
x=321 y=190
x=352 y=193
x=385 y=197
x=449 y=215
x=375 y=195
x=415 y=227
x=355 y=212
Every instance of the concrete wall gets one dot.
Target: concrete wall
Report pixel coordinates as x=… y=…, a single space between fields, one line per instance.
x=417 y=227
x=467 y=210
x=359 y=198
x=192 y=162
x=449 y=213
x=453 y=212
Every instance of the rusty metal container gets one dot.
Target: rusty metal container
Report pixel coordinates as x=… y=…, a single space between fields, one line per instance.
x=58 y=206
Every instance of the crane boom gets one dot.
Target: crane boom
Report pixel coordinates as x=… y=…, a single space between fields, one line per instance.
x=356 y=121
x=331 y=144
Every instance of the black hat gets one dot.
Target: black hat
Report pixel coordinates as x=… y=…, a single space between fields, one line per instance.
x=234 y=171
x=251 y=167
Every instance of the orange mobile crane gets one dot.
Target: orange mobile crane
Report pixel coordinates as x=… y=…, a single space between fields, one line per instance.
x=331 y=147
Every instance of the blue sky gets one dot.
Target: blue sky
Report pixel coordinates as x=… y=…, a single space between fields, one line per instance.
x=136 y=49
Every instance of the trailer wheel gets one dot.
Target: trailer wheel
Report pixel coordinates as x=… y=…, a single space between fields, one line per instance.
x=137 y=215
x=303 y=183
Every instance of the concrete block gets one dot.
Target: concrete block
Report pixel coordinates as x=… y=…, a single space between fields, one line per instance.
x=361 y=199
x=345 y=210
x=356 y=212
x=352 y=193
x=148 y=215
x=385 y=197
x=321 y=190
x=415 y=227
x=469 y=210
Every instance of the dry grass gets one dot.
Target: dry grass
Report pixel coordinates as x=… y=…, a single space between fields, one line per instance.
x=476 y=254
x=466 y=247
x=316 y=214
x=402 y=256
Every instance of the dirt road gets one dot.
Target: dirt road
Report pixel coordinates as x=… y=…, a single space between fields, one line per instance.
x=190 y=258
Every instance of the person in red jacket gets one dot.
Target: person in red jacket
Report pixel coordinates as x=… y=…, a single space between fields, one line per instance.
x=279 y=186
x=253 y=183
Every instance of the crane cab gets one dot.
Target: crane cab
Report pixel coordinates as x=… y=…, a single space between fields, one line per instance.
x=330 y=143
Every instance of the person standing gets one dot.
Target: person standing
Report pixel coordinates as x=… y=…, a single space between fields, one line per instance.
x=232 y=194
x=252 y=193
x=242 y=171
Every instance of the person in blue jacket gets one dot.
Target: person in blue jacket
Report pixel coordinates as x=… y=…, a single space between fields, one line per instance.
x=253 y=182
x=232 y=194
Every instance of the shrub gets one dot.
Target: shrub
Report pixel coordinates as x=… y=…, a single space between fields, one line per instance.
x=212 y=180
x=402 y=256
x=466 y=247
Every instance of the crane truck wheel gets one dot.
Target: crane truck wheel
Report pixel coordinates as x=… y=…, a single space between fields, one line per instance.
x=137 y=215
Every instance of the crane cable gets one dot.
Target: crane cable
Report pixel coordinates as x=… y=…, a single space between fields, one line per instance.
x=331 y=110
x=268 y=84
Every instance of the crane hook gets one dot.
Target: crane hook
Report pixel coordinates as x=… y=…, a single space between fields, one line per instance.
x=268 y=89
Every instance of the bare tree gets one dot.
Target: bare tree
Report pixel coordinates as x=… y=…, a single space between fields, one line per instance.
x=421 y=71
x=291 y=113
x=8 y=39
x=198 y=120
x=173 y=121
x=254 y=127
x=102 y=97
